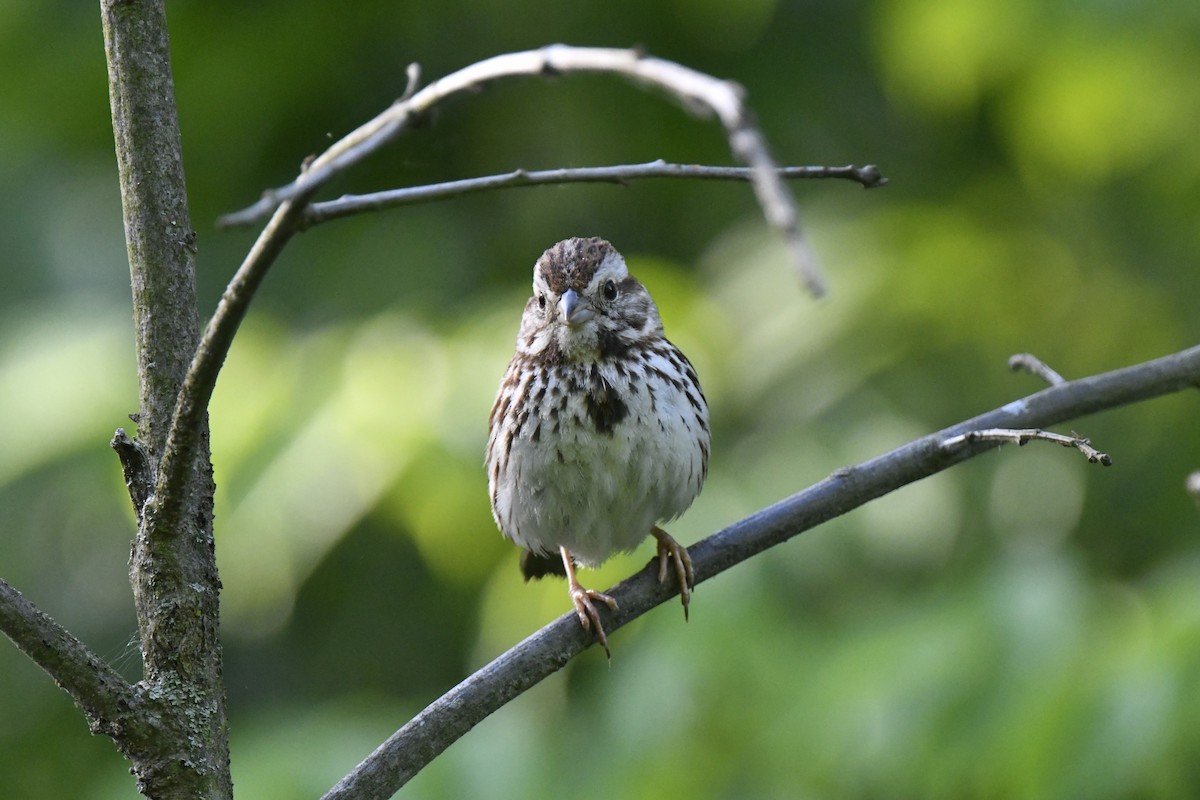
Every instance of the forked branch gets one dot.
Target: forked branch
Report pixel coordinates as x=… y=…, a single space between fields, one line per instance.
x=112 y=706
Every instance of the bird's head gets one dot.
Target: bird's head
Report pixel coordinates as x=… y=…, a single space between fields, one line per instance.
x=585 y=304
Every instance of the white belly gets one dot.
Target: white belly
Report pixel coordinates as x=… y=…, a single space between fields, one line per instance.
x=597 y=491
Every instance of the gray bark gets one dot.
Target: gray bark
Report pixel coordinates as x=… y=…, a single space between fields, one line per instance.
x=172 y=565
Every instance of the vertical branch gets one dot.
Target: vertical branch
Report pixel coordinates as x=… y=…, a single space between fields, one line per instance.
x=172 y=566
x=158 y=232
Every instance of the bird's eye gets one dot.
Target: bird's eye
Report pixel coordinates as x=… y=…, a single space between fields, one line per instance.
x=541 y=299
x=610 y=291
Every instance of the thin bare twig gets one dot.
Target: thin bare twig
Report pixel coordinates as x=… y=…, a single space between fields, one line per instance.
x=413 y=75
x=695 y=90
x=428 y=734
x=1035 y=366
x=867 y=176
x=1025 y=435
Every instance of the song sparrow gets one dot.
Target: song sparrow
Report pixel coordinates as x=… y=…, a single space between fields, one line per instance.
x=599 y=430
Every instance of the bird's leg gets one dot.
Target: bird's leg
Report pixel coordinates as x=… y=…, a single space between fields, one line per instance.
x=582 y=599
x=671 y=550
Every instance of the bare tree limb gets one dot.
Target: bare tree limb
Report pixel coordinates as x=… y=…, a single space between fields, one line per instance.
x=867 y=176
x=696 y=91
x=154 y=204
x=428 y=734
x=141 y=720
x=104 y=696
x=172 y=566
x=189 y=421
x=1026 y=435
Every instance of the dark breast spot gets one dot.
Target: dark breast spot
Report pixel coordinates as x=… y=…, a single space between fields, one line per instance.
x=611 y=346
x=604 y=406
x=606 y=412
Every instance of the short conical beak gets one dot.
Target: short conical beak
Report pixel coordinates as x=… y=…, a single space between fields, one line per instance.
x=574 y=309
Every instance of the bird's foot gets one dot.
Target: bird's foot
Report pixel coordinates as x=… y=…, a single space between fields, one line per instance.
x=671 y=552
x=582 y=599
x=588 y=617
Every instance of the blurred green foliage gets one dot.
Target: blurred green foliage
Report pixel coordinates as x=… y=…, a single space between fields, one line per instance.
x=1026 y=625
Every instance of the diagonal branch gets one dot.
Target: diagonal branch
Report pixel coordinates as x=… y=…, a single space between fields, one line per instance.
x=868 y=176
x=191 y=409
x=422 y=739
x=105 y=697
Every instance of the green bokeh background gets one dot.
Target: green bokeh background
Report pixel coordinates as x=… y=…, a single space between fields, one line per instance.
x=1026 y=625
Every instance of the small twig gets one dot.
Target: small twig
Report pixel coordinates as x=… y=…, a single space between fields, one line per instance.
x=1024 y=435
x=1035 y=366
x=139 y=477
x=413 y=74
x=867 y=176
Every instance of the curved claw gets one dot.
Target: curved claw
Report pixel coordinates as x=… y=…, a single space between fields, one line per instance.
x=582 y=599
x=670 y=550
